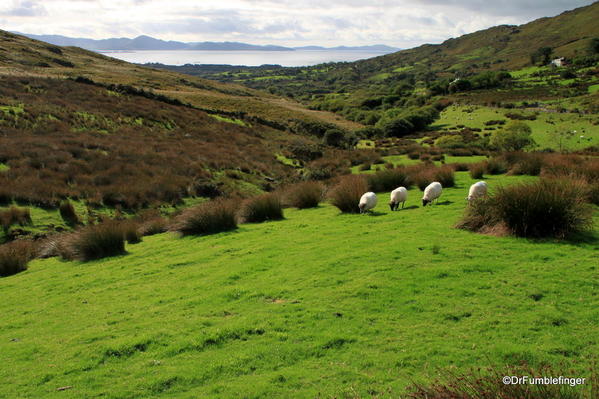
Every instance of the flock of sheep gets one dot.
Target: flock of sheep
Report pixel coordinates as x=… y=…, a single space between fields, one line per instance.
x=431 y=193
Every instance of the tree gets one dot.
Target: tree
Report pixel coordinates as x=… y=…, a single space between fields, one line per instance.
x=397 y=127
x=542 y=55
x=594 y=45
x=514 y=137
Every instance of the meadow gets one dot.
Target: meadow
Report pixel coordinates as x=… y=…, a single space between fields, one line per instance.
x=320 y=304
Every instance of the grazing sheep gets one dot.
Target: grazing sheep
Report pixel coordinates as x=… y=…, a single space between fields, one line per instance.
x=477 y=190
x=432 y=192
x=398 y=195
x=367 y=202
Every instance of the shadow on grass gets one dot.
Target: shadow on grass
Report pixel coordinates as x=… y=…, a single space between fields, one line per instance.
x=375 y=213
x=444 y=203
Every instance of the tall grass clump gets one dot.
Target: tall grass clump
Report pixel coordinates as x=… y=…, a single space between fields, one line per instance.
x=209 y=217
x=68 y=213
x=346 y=194
x=131 y=232
x=495 y=166
x=423 y=175
x=389 y=179
x=15 y=215
x=262 y=208
x=304 y=195
x=487 y=383
x=15 y=256
x=545 y=208
x=96 y=242
x=477 y=170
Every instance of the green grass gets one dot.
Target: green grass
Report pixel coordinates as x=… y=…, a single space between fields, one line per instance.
x=542 y=127
x=3 y=167
x=287 y=161
x=229 y=120
x=594 y=88
x=357 y=304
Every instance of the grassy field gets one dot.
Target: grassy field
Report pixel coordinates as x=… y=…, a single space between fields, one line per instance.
x=543 y=127
x=318 y=305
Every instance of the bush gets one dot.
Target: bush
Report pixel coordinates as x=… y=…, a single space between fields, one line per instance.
x=14 y=215
x=528 y=164
x=346 y=194
x=68 y=214
x=514 y=137
x=389 y=179
x=15 y=256
x=262 y=208
x=477 y=170
x=546 y=208
x=97 y=242
x=304 y=195
x=207 y=218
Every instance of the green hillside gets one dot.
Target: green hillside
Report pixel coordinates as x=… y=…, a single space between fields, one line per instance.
x=318 y=305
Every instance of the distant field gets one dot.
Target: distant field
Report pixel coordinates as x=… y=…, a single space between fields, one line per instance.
x=357 y=306
x=542 y=128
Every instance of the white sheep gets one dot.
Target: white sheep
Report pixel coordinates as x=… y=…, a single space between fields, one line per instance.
x=367 y=202
x=398 y=195
x=477 y=190
x=432 y=192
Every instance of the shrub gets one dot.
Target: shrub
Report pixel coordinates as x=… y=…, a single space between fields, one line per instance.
x=207 y=218
x=423 y=175
x=97 y=242
x=546 y=208
x=68 y=214
x=346 y=194
x=304 y=195
x=514 y=137
x=15 y=256
x=460 y=166
x=389 y=179
x=477 y=170
x=262 y=208
x=14 y=215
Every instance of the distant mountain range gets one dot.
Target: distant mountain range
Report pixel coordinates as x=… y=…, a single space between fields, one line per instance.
x=150 y=43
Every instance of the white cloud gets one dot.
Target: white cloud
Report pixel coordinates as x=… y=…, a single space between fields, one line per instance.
x=403 y=23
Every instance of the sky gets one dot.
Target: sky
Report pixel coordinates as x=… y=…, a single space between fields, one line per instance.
x=399 y=23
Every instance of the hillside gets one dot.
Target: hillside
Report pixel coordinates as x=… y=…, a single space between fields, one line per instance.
x=358 y=307
x=503 y=67
x=20 y=56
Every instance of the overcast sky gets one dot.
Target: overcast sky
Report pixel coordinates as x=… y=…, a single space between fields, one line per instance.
x=400 y=23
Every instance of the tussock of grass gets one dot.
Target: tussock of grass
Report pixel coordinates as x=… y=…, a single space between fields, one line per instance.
x=487 y=383
x=346 y=194
x=304 y=195
x=15 y=256
x=97 y=242
x=389 y=179
x=207 y=218
x=545 y=208
x=262 y=208
x=13 y=216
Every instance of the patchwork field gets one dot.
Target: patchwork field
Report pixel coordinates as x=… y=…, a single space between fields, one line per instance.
x=318 y=305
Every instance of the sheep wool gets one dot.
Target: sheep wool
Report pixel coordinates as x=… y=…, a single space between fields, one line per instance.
x=432 y=192
x=477 y=190
x=367 y=202
x=399 y=195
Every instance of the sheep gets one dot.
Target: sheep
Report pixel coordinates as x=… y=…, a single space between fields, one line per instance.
x=477 y=190
x=367 y=202
x=398 y=195
x=432 y=192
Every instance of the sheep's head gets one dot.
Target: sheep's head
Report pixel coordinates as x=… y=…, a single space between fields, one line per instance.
x=425 y=201
x=392 y=205
x=362 y=206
